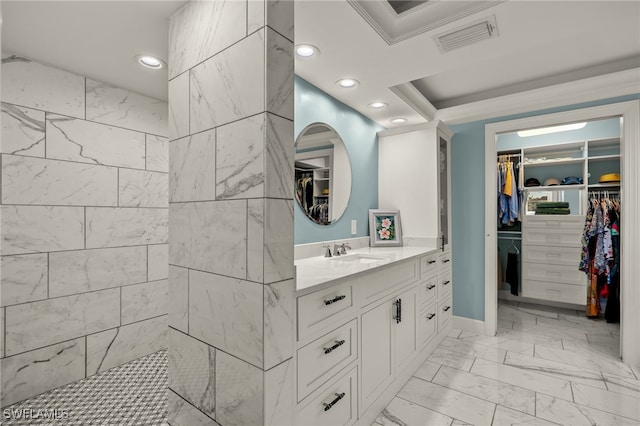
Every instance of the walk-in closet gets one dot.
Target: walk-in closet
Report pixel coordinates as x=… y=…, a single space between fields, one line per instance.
x=558 y=234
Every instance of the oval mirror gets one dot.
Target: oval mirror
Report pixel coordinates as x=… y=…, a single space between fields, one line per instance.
x=322 y=174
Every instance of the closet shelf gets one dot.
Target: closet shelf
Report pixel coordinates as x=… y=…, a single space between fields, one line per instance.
x=604 y=157
x=554 y=188
x=553 y=162
x=604 y=185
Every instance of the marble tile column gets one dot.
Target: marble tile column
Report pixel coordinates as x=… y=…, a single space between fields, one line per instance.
x=231 y=281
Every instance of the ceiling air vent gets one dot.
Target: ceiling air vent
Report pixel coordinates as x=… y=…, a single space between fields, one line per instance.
x=477 y=31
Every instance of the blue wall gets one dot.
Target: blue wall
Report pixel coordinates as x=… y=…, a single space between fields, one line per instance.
x=467 y=189
x=359 y=135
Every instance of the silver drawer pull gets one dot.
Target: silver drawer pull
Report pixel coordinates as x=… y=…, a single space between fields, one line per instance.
x=431 y=262
x=328 y=406
x=446 y=308
x=335 y=299
x=430 y=316
x=445 y=282
x=431 y=287
x=336 y=346
x=446 y=261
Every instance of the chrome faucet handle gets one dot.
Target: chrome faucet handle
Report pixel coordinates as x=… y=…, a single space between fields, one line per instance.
x=336 y=249
x=327 y=252
x=344 y=248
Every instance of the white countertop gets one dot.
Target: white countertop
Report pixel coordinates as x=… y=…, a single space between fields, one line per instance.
x=317 y=270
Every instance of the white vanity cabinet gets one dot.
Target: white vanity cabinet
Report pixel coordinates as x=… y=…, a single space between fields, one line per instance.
x=361 y=337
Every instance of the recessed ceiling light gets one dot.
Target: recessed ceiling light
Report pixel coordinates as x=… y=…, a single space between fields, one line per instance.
x=347 y=83
x=306 y=51
x=151 y=62
x=399 y=120
x=378 y=105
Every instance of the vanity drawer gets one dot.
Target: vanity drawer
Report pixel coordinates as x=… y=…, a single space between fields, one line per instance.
x=444 y=263
x=428 y=266
x=554 y=273
x=428 y=290
x=444 y=286
x=428 y=323
x=335 y=404
x=370 y=288
x=324 y=357
x=322 y=308
x=444 y=314
x=567 y=293
x=551 y=255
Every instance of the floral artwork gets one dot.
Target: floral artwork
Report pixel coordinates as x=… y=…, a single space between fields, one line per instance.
x=385 y=228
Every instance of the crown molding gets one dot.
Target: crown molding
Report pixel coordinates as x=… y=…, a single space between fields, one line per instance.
x=585 y=90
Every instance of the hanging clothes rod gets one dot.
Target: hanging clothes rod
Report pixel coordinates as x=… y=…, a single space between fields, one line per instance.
x=509 y=237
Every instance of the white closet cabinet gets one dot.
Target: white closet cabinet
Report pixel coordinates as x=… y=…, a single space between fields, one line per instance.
x=414 y=176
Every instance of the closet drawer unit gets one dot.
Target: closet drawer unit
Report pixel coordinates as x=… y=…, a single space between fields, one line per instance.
x=322 y=308
x=567 y=293
x=569 y=256
x=334 y=404
x=555 y=222
x=554 y=273
x=428 y=323
x=428 y=290
x=444 y=314
x=556 y=238
x=324 y=357
x=428 y=266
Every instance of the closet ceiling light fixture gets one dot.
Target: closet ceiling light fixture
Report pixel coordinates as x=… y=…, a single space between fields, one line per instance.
x=150 y=62
x=552 y=129
x=347 y=83
x=399 y=120
x=378 y=105
x=307 y=51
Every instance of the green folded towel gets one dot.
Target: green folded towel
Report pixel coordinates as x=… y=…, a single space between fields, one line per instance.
x=558 y=210
x=552 y=204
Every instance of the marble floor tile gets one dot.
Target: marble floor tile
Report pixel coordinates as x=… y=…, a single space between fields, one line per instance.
x=474 y=349
x=504 y=323
x=427 y=370
x=501 y=393
x=448 y=402
x=529 y=337
x=500 y=342
x=546 y=310
x=401 y=412
x=507 y=417
x=568 y=413
x=556 y=369
x=526 y=379
x=551 y=331
x=603 y=338
x=585 y=359
x=444 y=356
x=454 y=333
x=457 y=422
x=579 y=346
x=611 y=402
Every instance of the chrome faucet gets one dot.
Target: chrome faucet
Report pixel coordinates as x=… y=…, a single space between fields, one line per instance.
x=341 y=249
x=327 y=252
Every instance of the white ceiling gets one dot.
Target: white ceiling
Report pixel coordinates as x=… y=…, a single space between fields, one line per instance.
x=540 y=43
x=97 y=39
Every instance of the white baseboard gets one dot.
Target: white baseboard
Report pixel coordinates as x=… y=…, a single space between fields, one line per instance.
x=468 y=324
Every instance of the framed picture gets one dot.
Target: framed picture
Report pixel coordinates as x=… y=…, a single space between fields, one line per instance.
x=384 y=228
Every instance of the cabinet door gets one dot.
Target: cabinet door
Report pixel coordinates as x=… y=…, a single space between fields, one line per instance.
x=443 y=192
x=377 y=367
x=404 y=329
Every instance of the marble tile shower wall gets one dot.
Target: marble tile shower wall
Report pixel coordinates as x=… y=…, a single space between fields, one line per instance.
x=84 y=227
x=231 y=213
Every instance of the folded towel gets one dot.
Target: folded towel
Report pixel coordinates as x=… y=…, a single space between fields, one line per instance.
x=552 y=204
x=558 y=210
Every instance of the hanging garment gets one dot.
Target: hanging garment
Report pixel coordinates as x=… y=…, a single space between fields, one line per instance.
x=512 y=272
x=593 y=301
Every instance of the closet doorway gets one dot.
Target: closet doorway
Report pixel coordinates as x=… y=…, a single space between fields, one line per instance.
x=628 y=114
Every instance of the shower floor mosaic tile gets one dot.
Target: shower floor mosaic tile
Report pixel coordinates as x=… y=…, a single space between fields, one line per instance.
x=133 y=394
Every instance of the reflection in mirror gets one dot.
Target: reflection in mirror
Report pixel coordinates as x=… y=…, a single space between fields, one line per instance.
x=323 y=174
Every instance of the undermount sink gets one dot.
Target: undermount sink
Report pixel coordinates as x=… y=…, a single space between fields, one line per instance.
x=357 y=257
